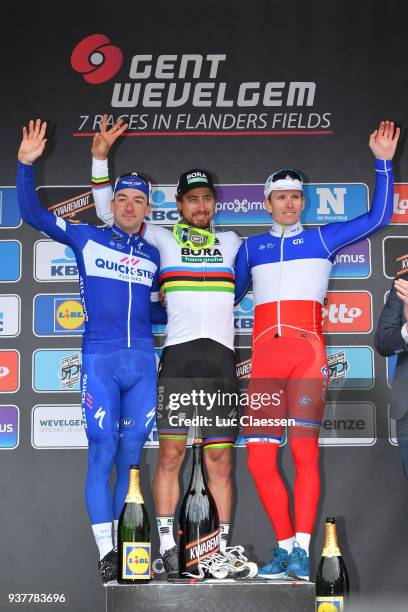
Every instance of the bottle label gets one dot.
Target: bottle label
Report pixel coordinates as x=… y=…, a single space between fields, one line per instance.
x=136 y=560
x=330 y=604
x=202 y=549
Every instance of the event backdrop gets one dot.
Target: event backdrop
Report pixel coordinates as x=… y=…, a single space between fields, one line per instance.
x=240 y=91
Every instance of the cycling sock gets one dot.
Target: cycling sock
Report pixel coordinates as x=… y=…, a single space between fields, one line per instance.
x=103 y=538
x=165 y=527
x=224 y=530
x=286 y=544
x=303 y=539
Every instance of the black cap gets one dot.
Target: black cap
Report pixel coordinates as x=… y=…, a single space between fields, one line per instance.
x=194 y=178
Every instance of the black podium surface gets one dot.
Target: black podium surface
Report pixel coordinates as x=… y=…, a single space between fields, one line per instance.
x=220 y=596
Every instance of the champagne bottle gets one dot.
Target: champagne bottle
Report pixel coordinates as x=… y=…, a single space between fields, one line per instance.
x=332 y=583
x=198 y=519
x=134 y=548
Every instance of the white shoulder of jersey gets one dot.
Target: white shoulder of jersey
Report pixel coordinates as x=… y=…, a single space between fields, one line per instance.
x=157 y=234
x=230 y=238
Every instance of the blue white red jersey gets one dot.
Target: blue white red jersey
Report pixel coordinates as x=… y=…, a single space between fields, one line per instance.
x=118 y=274
x=290 y=267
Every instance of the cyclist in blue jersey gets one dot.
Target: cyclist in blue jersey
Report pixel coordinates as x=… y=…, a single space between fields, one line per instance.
x=118 y=273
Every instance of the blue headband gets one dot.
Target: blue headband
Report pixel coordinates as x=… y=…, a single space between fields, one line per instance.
x=132 y=181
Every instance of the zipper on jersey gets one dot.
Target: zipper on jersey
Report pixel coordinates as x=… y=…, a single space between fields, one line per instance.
x=280 y=281
x=130 y=293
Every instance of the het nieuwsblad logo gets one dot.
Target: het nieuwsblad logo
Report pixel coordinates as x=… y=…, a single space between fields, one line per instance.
x=96 y=59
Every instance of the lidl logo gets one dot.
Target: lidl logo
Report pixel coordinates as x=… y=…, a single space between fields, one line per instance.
x=10 y=261
x=58 y=314
x=347 y=312
x=9 y=427
x=9 y=371
x=330 y=604
x=136 y=560
x=69 y=314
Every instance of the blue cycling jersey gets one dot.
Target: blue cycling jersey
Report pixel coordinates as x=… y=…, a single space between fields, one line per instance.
x=118 y=274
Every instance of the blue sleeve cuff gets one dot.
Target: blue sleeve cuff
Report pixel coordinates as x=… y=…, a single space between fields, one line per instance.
x=383 y=165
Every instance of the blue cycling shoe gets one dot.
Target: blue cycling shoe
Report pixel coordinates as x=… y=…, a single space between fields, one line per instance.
x=276 y=567
x=298 y=567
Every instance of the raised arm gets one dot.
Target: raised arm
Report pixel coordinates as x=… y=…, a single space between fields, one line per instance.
x=32 y=212
x=101 y=186
x=243 y=277
x=335 y=236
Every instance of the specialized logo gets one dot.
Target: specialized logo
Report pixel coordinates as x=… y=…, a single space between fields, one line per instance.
x=56 y=426
x=353 y=261
x=136 y=560
x=9 y=427
x=244 y=315
x=9 y=371
x=69 y=315
x=347 y=312
x=10 y=261
x=99 y=416
x=96 y=59
x=400 y=211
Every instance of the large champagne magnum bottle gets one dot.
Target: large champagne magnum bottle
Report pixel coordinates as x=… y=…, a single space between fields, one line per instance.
x=332 y=584
x=198 y=519
x=134 y=554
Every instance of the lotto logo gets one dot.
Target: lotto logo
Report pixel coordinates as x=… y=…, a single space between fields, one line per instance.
x=347 y=312
x=96 y=59
x=400 y=212
x=9 y=371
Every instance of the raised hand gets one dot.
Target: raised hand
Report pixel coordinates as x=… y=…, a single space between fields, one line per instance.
x=104 y=139
x=33 y=143
x=383 y=141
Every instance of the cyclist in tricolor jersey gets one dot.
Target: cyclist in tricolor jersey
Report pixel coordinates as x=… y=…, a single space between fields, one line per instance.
x=289 y=269
x=118 y=284
x=197 y=278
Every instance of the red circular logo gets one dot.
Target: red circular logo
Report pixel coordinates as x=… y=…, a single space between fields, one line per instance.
x=96 y=59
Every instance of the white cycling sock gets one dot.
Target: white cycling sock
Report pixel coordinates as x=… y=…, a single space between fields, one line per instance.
x=103 y=538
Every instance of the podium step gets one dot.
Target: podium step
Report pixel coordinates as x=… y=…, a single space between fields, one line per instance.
x=243 y=595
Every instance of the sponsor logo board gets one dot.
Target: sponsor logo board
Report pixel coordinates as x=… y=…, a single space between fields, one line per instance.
x=9 y=371
x=9 y=427
x=54 y=262
x=10 y=261
x=9 y=208
x=395 y=256
x=347 y=312
x=400 y=210
x=353 y=261
x=56 y=370
x=57 y=426
x=348 y=424
x=10 y=315
x=58 y=315
x=350 y=367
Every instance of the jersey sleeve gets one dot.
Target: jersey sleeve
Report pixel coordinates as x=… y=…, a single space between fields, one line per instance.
x=102 y=190
x=34 y=213
x=243 y=276
x=336 y=236
x=158 y=313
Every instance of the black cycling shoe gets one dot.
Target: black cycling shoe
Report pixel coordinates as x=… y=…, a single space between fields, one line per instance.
x=108 y=566
x=170 y=562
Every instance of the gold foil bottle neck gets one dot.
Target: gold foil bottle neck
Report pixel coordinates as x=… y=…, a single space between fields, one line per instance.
x=331 y=547
x=134 y=493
